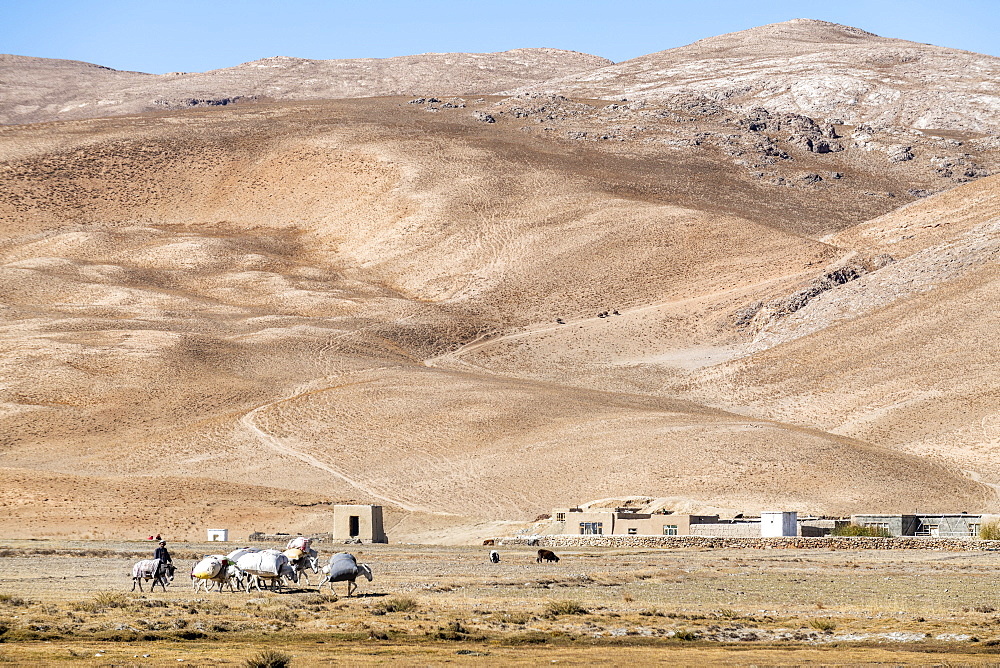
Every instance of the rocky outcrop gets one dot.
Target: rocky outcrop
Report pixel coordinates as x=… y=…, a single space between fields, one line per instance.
x=756 y=316
x=816 y=68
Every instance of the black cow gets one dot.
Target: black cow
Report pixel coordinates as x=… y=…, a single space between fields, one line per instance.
x=546 y=555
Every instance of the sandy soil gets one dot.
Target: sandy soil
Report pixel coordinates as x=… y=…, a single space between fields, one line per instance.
x=241 y=316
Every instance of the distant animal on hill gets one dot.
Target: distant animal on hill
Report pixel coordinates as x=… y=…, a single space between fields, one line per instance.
x=546 y=555
x=152 y=569
x=343 y=567
x=490 y=541
x=494 y=556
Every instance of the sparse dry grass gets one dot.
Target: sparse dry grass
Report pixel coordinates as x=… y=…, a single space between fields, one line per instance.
x=479 y=616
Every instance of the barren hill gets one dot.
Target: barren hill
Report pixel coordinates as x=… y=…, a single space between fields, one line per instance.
x=472 y=310
x=815 y=68
x=41 y=89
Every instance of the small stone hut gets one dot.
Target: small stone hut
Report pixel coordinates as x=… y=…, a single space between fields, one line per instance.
x=358 y=522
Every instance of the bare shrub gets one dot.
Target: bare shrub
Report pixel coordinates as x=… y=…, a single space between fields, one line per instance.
x=13 y=601
x=825 y=625
x=858 y=531
x=556 y=608
x=990 y=531
x=513 y=617
x=269 y=658
x=395 y=604
x=104 y=601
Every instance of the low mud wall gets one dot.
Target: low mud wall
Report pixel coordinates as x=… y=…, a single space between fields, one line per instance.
x=728 y=543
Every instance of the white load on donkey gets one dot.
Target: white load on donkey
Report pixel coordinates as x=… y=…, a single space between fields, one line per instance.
x=343 y=567
x=302 y=556
x=217 y=569
x=269 y=565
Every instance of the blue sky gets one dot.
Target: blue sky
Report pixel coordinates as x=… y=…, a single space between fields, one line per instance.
x=187 y=35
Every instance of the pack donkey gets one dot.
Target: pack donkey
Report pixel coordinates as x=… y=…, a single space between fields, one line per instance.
x=152 y=569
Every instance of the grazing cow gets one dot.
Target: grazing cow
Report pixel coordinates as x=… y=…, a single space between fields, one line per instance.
x=546 y=555
x=494 y=556
x=152 y=569
x=490 y=541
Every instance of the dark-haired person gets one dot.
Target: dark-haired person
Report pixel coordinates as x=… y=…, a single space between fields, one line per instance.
x=162 y=554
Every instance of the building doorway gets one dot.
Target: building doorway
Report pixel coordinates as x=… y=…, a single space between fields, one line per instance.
x=354 y=529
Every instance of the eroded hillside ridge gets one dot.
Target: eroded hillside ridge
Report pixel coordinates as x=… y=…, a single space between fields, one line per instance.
x=822 y=70
x=39 y=89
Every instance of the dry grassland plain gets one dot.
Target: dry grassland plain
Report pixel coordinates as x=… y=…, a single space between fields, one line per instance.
x=69 y=602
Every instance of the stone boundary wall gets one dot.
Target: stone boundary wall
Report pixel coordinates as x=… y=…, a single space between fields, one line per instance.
x=283 y=538
x=741 y=530
x=796 y=542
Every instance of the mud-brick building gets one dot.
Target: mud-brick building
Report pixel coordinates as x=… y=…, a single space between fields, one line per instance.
x=358 y=522
x=955 y=525
x=623 y=521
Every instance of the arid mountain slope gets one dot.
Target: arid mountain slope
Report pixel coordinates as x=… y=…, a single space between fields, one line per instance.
x=39 y=89
x=288 y=296
x=818 y=69
x=474 y=309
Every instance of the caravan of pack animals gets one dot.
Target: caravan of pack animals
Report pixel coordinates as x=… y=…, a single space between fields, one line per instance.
x=249 y=567
x=525 y=356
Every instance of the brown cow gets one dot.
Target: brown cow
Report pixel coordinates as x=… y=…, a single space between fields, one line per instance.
x=490 y=541
x=546 y=555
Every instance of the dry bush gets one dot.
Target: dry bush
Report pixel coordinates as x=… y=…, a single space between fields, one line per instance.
x=990 y=531
x=13 y=601
x=395 y=604
x=826 y=625
x=513 y=617
x=567 y=607
x=269 y=658
x=857 y=531
x=455 y=631
x=103 y=601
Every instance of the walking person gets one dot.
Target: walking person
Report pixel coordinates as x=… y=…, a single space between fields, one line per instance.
x=162 y=554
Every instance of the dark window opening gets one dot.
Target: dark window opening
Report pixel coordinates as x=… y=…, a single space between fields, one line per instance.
x=355 y=528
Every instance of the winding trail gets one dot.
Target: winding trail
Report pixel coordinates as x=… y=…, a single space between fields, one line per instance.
x=978 y=477
x=273 y=442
